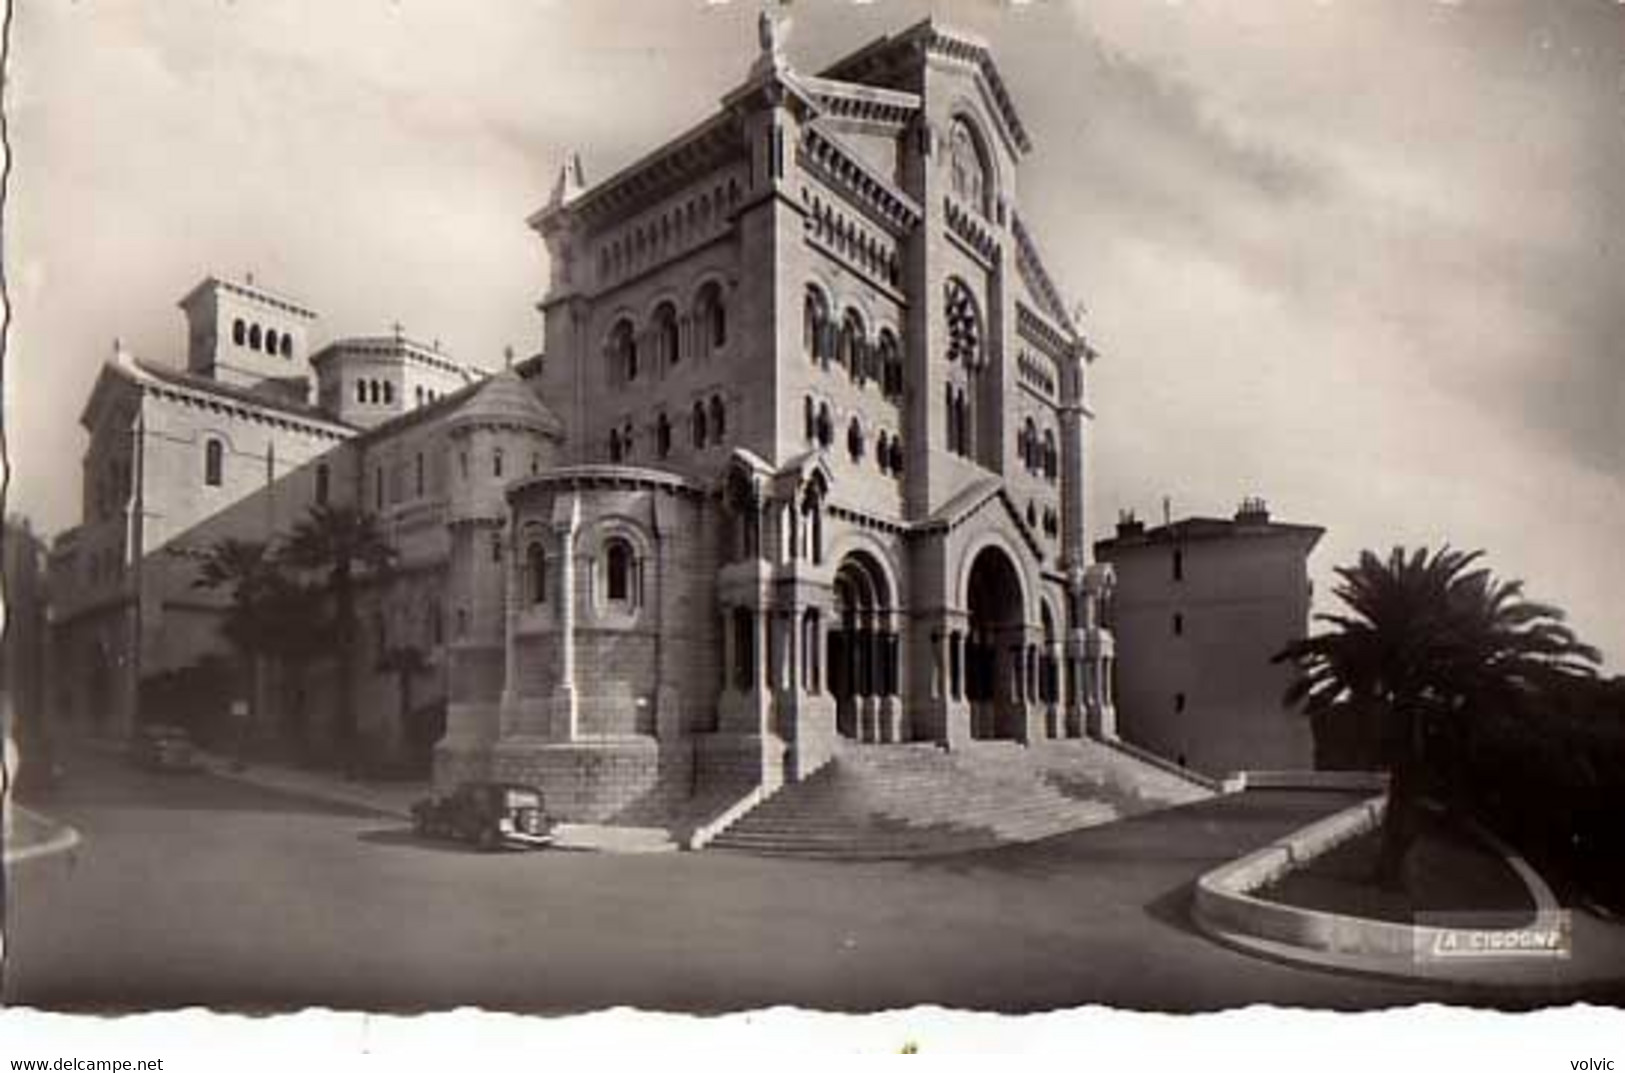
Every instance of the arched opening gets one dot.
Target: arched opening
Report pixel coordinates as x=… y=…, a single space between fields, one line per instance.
x=719 y=418
x=239 y=332
x=254 y=337
x=697 y=423
x=287 y=345
x=863 y=645
x=272 y=341
x=214 y=463
x=968 y=167
x=891 y=365
x=712 y=316
x=618 y=569
x=817 y=331
x=536 y=571
x=663 y=436
x=623 y=352
x=666 y=335
x=995 y=656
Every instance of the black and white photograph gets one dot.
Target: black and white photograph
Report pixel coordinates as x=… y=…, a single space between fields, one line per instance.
x=687 y=508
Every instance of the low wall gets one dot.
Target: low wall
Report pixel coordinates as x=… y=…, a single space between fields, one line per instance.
x=1226 y=909
x=1376 y=781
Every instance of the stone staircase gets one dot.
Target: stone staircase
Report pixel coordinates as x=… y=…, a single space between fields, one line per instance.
x=881 y=801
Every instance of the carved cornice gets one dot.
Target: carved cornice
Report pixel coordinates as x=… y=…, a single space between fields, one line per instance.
x=1040 y=332
x=1031 y=268
x=845 y=172
x=868 y=104
x=657 y=175
x=969 y=226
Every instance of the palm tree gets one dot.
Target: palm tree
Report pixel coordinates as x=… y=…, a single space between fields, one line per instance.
x=1429 y=643
x=345 y=544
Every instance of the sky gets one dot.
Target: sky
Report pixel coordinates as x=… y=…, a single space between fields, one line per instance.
x=1364 y=259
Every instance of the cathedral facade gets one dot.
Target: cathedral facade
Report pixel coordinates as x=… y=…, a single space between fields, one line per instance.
x=802 y=461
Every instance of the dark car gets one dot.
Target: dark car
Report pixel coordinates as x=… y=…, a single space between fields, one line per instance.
x=488 y=814
x=162 y=747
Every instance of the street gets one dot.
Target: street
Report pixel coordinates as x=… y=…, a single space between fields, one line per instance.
x=199 y=890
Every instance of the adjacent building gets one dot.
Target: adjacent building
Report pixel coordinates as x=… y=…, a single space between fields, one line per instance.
x=1200 y=607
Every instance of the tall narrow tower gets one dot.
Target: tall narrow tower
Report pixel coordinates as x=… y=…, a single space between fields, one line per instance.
x=245 y=336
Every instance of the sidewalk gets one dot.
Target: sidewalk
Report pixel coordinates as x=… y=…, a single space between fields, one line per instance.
x=394 y=799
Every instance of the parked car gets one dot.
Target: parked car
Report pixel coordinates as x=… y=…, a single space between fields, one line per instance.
x=488 y=814
x=163 y=747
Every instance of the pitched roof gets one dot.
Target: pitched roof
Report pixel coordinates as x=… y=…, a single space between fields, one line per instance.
x=505 y=399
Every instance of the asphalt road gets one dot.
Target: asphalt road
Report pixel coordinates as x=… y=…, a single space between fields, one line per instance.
x=193 y=890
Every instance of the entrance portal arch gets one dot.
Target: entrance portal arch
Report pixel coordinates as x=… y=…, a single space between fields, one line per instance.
x=863 y=659
x=995 y=651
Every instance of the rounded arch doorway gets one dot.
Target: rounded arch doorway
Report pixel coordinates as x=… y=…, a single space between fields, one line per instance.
x=863 y=650
x=995 y=650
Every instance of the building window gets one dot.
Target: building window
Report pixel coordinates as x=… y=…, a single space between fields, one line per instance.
x=323 y=477
x=536 y=567
x=1179 y=702
x=663 y=435
x=360 y=391
x=719 y=418
x=1052 y=457
x=853 y=345
x=891 y=365
x=496 y=547
x=462 y=622
x=712 y=315
x=854 y=439
x=817 y=331
x=535 y=463
x=697 y=423
x=882 y=452
x=623 y=352
x=1179 y=565
x=666 y=336
x=239 y=332
x=254 y=337
x=618 y=571
x=897 y=456
x=389 y=393
x=418 y=473
x=287 y=345
x=214 y=462
x=437 y=629
x=964 y=325
x=378 y=488
x=615 y=451
x=417 y=393
x=826 y=426
x=271 y=341
x=1179 y=624
x=462 y=464
x=968 y=171
x=496 y=462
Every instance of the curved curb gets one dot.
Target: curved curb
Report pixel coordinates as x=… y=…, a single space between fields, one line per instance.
x=63 y=839
x=1225 y=909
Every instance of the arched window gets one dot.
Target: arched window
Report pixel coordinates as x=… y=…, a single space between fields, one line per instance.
x=968 y=166
x=816 y=331
x=853 y=345
x=417 y=393
x=372 y=391
x=389 y=393
x=1029 y=445
x=323 y=480
x=623 y=352
x=663 y=435
x=897 y=456
x=891 y=364
x=254 y=337
x=882 y=452
x=536 y=570
x=1052 y=457
x=697 y=425
x=214 y=462
x=618 y=571
x=826 y=426
x=271 y=341
x=712 y=315
x=239 y=331
x=287 y=345
x=496 y=461
x=615 y=450
x=854 y=439
x=811 y=419
x=666 y=336
x=360 y=391
x=719 y=418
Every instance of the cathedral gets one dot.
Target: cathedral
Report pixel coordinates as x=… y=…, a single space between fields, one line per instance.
x=800 y=467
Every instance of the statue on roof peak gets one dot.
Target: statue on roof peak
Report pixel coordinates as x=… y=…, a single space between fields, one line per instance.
x=772 y=30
